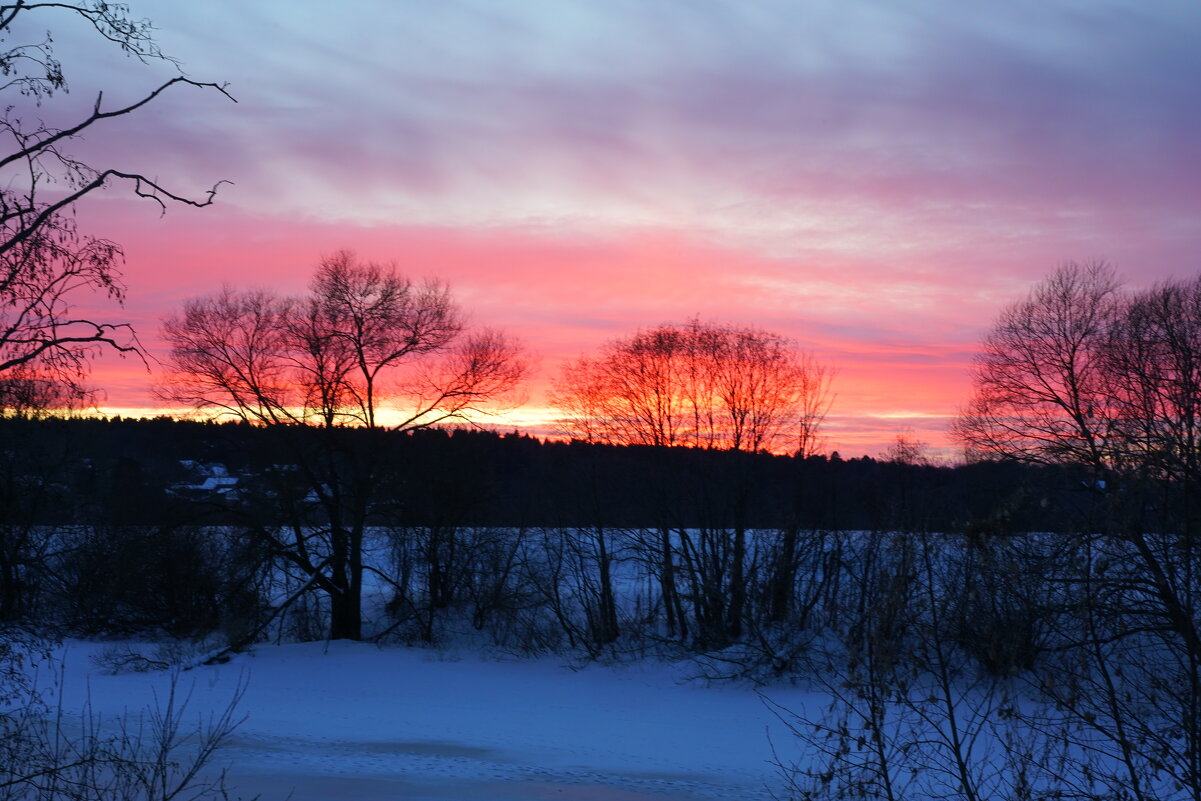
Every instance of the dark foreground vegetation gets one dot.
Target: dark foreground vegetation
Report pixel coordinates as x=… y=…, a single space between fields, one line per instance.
x=91 y=504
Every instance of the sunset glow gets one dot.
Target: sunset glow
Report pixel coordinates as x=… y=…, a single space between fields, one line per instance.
x=875 y=180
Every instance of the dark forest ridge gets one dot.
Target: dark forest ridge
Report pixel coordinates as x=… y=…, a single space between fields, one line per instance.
x=141 y=471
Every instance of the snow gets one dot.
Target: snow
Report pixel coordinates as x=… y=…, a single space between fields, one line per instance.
x=355 y=721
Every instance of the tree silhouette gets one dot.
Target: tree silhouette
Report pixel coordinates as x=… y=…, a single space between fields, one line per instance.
x=1040 y=384
x=707 y=386
x=46 y=261
x=699 y=384
x=364 y=337
x=1081 y=374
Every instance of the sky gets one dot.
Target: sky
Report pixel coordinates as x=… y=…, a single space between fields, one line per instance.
x=874 y=179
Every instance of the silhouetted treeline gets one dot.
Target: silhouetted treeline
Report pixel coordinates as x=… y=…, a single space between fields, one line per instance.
x=140 y=472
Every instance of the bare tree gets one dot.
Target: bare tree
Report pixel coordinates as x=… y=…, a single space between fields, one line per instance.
x=699 y=385
x=232 y=354
x=1081 y=375
x=376 y=320
x=1040 y=384
x=46 y=261
x=364 y=336
x=1153 y=357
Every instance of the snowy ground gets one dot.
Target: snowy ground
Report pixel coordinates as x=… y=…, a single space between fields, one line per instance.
x=353 y=721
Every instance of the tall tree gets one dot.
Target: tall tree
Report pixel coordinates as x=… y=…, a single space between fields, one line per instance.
x=46 y=261
x=700 y=385
x=365 y=339
x=1083 y=375
x=375 y=320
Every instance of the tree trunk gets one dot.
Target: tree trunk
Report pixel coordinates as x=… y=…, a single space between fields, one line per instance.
x=783 y=578
x=345 y=617
x=667 y=583
x=346 y=575
x=609 y=630
x=737 y=590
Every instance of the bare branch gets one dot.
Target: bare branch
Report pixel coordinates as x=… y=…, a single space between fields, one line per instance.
x=45 y=262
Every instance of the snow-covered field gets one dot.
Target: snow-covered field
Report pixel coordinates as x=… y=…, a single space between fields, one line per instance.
x=353 y=721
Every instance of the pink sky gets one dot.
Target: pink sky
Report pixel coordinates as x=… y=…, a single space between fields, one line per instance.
x=874 y=179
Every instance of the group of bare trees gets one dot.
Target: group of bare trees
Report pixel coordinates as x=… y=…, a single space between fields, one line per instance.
x=1030 y=666
x=700 y=385
x=1082 y=372
x=1099 y=622
x=366 y=339
x=366 y=348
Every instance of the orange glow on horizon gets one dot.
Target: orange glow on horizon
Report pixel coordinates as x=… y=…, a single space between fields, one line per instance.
x=565 y=295
x=849 y=435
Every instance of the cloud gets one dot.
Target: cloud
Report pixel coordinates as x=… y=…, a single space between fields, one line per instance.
x=817 y=116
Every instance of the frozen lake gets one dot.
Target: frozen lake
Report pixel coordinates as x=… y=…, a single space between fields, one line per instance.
x=353 y=721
